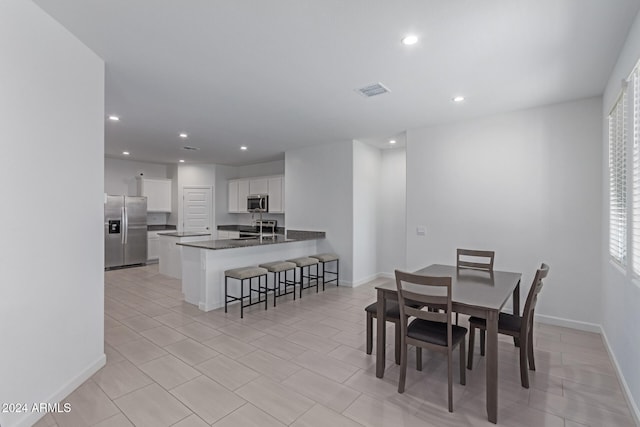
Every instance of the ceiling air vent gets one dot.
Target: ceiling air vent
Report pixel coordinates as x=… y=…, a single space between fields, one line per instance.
x=186 y=147
x=372 y=90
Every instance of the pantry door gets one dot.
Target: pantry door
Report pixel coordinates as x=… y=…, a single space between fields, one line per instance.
x=197 y=208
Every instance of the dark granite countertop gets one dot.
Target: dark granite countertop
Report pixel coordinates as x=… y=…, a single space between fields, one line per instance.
x=297 y=236
x=161 y=227
x=185 y=234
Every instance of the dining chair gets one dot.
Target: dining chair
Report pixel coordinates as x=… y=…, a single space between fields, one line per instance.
x=392 y=315
x=519 y=327
x=472 y=258
x=432 y=330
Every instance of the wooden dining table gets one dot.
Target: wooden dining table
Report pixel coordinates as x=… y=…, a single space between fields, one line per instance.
x=474 y=292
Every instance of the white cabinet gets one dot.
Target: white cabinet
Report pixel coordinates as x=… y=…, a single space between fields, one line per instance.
x=239 y=189
x=276 y=194
x=237 y=195
x=233 y=197
x=158 y=193
x=153 y=246
x=243 y=192
x=259 y=186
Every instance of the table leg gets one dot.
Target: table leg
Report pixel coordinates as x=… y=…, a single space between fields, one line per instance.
x=380 y=334
x=516 y=309
x=492 y=366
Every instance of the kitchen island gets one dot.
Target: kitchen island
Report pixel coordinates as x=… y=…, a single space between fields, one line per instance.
x=204 y=262
x=170 y=254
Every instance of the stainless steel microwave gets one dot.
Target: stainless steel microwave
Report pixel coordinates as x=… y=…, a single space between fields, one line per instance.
x=258 y=203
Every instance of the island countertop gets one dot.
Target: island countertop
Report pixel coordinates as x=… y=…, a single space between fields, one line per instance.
x=292 y=236
x=184 y=234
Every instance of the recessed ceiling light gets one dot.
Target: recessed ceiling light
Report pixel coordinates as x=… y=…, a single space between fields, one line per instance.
x=126 y=153
x=114 y=118
x=183 y=135
x=409 y=40
x=181 y=161
x=393 y=141
x=458 y=99
x=243 y=148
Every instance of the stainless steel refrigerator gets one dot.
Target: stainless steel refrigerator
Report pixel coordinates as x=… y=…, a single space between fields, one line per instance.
x=125 y=231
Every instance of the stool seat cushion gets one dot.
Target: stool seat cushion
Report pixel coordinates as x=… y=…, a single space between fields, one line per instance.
x=326 y=257
x=278 y=266
x=303 y=262
x=246 y=272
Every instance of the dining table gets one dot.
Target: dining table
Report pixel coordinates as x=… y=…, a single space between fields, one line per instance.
x=478 y=293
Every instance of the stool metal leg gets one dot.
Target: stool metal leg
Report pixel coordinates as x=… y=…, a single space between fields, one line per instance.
x=242 y=297
x=226 y=298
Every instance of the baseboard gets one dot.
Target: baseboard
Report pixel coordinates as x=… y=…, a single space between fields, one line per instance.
x=568 y=323
x=65 y=390
x=365 y=280
x=635 y=412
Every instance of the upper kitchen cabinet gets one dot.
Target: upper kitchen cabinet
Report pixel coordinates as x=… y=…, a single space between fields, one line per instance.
x=237 y=194
x=158 y=193
x=259 y=186
x=239 y=189
x=276 y=194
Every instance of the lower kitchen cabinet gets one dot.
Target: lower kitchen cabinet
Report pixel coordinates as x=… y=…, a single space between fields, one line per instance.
x=223 y=235
x=153 y=246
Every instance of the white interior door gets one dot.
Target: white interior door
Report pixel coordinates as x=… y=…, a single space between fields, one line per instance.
x=196 y=208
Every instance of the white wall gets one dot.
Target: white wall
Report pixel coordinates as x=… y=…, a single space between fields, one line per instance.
x=392 y=212
x=522 y=184
x=120 y=175
x=51 y=267
x=319 y=196
x=260 y=169
x=223 y=175
x=620 y=297
x=367 y=163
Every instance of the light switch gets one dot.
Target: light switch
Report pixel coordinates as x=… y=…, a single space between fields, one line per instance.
x=421 y=230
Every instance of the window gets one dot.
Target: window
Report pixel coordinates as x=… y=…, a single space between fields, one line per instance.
x=635 y=241
x=624 y=188
x=618 y=182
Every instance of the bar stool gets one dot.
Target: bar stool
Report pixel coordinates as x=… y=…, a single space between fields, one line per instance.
x=302 y=263
x=325 y=258
x=242 y=274
x=277 y=268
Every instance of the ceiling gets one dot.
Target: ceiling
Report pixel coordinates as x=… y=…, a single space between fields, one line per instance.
x=276 y=75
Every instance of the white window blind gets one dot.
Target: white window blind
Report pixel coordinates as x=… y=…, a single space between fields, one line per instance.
x=618 y=182
x=635 y=94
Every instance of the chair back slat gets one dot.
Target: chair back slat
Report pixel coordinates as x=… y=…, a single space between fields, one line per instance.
x=463 y=261
x=532 y=297
x=426 y=315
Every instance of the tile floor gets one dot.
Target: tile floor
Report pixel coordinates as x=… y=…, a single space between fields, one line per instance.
x=303 y=364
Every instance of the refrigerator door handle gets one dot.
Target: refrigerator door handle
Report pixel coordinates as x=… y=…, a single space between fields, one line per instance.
x=125 y=217
x=122 y=226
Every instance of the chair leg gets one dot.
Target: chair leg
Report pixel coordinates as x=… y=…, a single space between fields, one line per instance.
x=403 y=365
x=532 y=362
x=450 y=377
x=456 y=318
x=463 y=371
x=472 y=338
x=419 y=358
x=482 y=339
x=369 y=332
x=397 y=342
x=524 y=372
